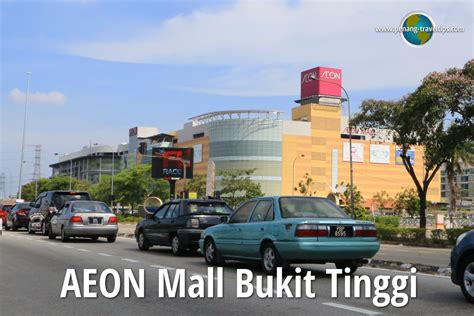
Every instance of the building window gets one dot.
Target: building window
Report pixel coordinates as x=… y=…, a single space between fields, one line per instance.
x=443 y=187
x=198 y=135
x=464 y=178
x=443 y=194
x=464 y=186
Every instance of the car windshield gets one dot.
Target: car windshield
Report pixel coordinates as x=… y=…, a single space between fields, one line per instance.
x=59 y=199
x=90 y=207
x=307 y=207
x=22 y=206
x=206 y=207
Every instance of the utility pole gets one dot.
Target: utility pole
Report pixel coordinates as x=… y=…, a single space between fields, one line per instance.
x=28 y=74
x=37 y=169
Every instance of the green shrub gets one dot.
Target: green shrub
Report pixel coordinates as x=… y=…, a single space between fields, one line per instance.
x=388 y=221
x=438 y=236
x=129 y=219
x=453 y=233
x=387 y=233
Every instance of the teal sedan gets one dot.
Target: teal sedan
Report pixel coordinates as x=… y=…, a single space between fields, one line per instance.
x=279 y=231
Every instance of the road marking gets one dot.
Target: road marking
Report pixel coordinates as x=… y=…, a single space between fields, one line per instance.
x=104 y=254
x=69 y=247
x=162 y=267
x=130 y=260
x=51 y=243
x=29 y=238
x=352 y=309
x=83 y=250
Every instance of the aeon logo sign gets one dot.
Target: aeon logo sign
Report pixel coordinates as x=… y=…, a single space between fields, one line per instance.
x=307 y=77
x=331 y=75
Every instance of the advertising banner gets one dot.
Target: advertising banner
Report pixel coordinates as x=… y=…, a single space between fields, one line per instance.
x=197 y=153
x=379 y=153
x=328 y=83
x=168 y=163
x=357 y=152
x=410 y=153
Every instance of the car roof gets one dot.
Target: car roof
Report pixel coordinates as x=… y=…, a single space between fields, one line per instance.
x=198 y=200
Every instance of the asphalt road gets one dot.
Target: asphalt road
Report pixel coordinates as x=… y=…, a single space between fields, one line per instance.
x=415 y=255
x=32 y=270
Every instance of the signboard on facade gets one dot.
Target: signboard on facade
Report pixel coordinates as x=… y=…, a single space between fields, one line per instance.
x=398 y=158
x=357 y=152
x=197 y=153
x=329 y=82
x=168 y=163
x=379 y=153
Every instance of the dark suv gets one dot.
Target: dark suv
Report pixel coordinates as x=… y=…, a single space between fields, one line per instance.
x=462 y=264
x=48 y=203
x=179 y=224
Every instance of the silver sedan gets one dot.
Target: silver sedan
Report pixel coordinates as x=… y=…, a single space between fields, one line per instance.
x=91 y=219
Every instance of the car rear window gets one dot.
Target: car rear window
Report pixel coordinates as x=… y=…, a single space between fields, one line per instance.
x=205 y=207
x=90 y=207
x=22 y=206
x=61 y=198
x=307 y=207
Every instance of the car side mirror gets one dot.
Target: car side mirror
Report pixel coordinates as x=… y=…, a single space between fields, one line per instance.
x=224 y=219
x=149 y=216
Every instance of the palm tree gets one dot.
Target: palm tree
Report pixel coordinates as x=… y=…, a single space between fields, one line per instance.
x=463 y=155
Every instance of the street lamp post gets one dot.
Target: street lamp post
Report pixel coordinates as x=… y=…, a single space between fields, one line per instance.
x=28 y=75
x=293 y=182
x=351 y=171
x=112 y=182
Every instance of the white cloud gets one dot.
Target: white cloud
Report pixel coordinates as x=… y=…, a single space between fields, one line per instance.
x=46 y=98
x=274 y=40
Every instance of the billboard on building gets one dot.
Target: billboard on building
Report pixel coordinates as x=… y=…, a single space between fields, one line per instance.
x=410 y=153
x=168 y=163
x=379 y=153
x=328 y=83
x=197 y=153
x=357 y=152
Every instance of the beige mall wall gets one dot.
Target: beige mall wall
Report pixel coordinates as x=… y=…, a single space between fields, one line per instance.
x=370 y=178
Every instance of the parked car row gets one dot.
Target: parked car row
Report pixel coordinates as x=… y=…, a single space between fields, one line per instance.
x=66 y=214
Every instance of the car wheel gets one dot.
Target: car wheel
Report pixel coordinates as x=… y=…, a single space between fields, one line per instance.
x=94 y=238
x=6 y=226
x=142 y=242
x=344 y=265
x=30 y=231
x=212 y=256
x=271 y=259
x=14 y=227
x=50 y=233
x=467 y=285
x=176 y=246
x=111 y=238
x=44 y=231
x=64 y=236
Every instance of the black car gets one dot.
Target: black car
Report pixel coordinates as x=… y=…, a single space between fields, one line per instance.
x=18 y=216
x=462 y=264
x=47 y=204
x=179 y=224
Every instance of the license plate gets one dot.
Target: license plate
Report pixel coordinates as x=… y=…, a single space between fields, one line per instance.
x=341 y=231
x=95 y=220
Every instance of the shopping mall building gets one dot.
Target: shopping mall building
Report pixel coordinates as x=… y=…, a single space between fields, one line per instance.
x=315 y=141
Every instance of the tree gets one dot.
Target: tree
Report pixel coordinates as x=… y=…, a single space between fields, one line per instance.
x=407 y=201
x=197 y=184
x=463 y=155
x=305 y=186
x=381 y=198
x=53 y=183
x=236 y=186
x=345 y=199
x=134 y=184
x=437 y=116
x=101 y=191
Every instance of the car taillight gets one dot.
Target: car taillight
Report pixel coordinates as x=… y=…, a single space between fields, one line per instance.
x=21 y=213
x=113 y=220
x=76 y=219
x=311 y=230
x=192 y=223
x=365 y=231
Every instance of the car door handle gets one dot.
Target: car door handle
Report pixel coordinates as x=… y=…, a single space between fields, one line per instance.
x=239 y=230
x=262 y=229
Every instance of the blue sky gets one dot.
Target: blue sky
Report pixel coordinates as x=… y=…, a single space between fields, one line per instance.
x=101 y=67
